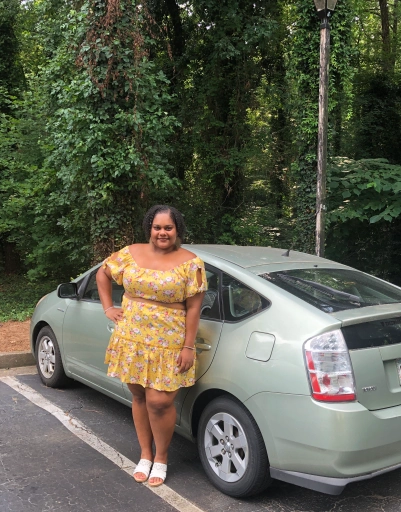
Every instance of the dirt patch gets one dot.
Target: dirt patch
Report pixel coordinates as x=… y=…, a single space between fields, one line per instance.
x=14 y=336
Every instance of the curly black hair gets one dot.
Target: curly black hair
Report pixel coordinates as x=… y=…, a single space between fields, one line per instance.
x=175 y=215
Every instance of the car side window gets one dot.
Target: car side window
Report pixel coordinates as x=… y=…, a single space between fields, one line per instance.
x=92 y=294
x=240 y=301
x=210 y=305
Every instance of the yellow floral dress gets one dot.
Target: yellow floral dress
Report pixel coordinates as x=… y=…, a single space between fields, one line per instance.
x=146 y=343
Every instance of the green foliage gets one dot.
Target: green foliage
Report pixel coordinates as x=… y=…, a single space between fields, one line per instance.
x=19 y=296
x=210 y=105
x=367 y=190
x=228 y=54
x=376 y=123
x=11 y=72
x=109 y=126
x=104 y=143
x=26 y=212
x=364 y=215
x=258 y=226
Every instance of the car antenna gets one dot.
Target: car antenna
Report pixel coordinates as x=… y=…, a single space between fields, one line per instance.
x=286 y=253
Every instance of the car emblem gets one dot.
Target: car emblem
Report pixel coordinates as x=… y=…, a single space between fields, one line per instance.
x=369 y=388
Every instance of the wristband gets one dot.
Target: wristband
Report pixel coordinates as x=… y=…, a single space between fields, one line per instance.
x=111 y=307
x=190 y=348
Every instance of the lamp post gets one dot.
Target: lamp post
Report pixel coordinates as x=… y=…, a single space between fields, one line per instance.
x=325 y=9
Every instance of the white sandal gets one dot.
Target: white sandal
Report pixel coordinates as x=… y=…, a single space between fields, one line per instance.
x=159 y=470
x=143 y=466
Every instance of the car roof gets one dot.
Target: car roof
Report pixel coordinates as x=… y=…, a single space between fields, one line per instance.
x=249 y=256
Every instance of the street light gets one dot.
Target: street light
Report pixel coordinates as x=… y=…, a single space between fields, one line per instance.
x=325 y=9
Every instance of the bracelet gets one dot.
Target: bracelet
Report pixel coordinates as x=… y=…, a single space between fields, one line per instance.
x=108 y=308
x=190 y=348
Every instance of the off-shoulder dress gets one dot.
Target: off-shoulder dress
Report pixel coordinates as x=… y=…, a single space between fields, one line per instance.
x=146 y=343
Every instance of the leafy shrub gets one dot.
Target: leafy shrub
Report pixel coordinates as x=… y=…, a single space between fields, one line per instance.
x=19 y=296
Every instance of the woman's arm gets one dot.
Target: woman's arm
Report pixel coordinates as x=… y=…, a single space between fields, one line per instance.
x=187 y=355
x=192 y=318
x=103 y=279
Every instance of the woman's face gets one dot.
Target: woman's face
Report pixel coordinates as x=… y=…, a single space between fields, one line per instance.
x=163 y=233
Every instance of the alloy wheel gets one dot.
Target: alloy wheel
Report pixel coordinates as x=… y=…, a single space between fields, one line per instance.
x=47 y=357
x=226 y=447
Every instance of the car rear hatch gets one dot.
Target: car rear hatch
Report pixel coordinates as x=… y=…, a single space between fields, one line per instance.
x=373 y=337
x=370 y=313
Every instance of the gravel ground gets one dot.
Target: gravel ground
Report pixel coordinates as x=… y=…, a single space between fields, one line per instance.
x=14 y=336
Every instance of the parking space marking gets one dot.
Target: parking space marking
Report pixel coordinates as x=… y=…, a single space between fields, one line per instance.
x=80 y=430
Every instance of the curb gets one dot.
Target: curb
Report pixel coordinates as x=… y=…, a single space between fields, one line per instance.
x=16 y=359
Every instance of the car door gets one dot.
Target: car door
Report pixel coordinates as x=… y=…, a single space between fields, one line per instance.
x=209 y=331
x=86 y=334
x=247 y=339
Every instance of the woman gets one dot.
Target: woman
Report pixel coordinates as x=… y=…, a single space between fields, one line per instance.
x=152 y=348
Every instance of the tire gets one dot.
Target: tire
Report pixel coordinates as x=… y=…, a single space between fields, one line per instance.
x=231 y=449
x=48 y=359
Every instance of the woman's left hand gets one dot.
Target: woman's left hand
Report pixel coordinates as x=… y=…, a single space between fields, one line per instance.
x=186 y=359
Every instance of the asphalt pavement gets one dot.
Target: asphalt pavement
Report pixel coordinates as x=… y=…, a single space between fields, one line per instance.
x=71 y=450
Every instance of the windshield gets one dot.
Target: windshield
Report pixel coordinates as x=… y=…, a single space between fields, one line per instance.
x=334 y=289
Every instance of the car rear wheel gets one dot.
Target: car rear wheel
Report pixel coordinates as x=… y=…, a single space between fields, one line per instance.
x=48 y=359
x=231 y=449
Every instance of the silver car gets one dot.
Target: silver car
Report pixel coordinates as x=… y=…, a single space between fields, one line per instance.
x=298 y=367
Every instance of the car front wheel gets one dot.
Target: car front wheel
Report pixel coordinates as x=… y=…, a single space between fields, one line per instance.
x=232 y=449
x=48 y=359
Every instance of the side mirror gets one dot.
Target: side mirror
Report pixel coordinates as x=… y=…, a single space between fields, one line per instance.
x=67 y=291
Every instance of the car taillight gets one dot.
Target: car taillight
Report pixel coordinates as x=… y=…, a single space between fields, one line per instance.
x=329 y=368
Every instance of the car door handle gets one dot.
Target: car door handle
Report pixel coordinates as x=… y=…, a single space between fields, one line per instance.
x=111 y=326
x=201 y=345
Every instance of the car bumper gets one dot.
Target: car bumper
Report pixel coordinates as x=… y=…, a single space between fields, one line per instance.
x=326 y=446
x=324 y=484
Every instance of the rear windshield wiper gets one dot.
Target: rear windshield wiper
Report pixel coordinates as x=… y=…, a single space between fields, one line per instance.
x=322 y=288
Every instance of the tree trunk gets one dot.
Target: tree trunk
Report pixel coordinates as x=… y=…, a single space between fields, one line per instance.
x=394 y=46
x=386 y=38
x=322 y=138
x=12 y=262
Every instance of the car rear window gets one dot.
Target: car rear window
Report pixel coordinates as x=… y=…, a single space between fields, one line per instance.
x=378 y=333
x=334 y=289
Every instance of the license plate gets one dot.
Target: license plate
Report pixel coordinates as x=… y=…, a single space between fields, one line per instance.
x=398 y=363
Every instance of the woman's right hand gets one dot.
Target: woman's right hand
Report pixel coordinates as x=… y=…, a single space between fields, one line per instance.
x=114 y=314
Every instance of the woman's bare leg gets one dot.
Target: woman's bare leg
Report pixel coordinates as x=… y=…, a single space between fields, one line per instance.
x=142 y=425
x=162 y=418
